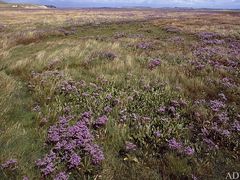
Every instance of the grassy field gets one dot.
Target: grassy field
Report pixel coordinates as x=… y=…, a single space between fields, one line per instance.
x=119 y=94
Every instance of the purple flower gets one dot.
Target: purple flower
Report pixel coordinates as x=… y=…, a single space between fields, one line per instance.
x=223 y=117
x=85 y=94
x=162 y=109
x=210 y=143
x=145 y=119
x=47 y=163
x=74 y=161
x=107 y=109
x=143 y=45
x=194 y=177
x=157 y=133
x=68 y=86
x=130 y=146
x=228 y=82
x=236 y=125
x=175 y=103
x=172 y=109
x=101 y=121
x=182 y=103
x=198 y=65
x=123 y=118
x=61 y=176
x=67 y=110
x=189 y=151
x=173 y=144
x=109 y=97
x=9 y=164
x=222 y=97
x=69 y=143
x=226 y=133
x=205 y=132
x=154 y=63
x=48 y=169
x=95 y=152
x=208 y=35
x=53 y=134
x=96 y=94
x=87 y=114
x=216 y=105
x=200 y=102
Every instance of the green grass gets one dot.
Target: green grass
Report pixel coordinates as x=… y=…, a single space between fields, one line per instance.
x=140 y=91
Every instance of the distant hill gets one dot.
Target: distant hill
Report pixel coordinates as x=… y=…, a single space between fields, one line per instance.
x=24 y=6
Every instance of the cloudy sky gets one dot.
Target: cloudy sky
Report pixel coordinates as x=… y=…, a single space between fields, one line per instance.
x=152 y=3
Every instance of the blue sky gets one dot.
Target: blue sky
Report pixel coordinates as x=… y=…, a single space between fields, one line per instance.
x=152 y=3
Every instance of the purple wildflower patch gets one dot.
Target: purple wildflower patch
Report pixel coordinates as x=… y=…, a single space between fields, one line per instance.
x=144 y=45
x=217 y=105
x=189 y=151
x=67 y=141
x=173 y=144
x=62 y=176
x=153 y=64
x=101 y=121
x=9 y=164
x=129 y=146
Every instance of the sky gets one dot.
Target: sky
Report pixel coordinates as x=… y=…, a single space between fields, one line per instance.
x=235 y=4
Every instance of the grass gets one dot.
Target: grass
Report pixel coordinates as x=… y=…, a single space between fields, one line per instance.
x=113 y=50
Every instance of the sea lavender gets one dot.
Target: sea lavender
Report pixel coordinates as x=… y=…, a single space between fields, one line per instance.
x=109 y=97
x=47 y=163
x=107 y=109
x=157 y=133
x=205 y=132
x=101 y=121
x=216 y=105
x=189 y=151
x=172 y=110
x=62 y=176
x=236 y=125
x=223 y=117
x=154 y=64
x=208 y=35
x=68 y=86
x=74 y=161
x=174 y=103
x=228 y=82
x=130 y=146
x=194 y=177
x=95 y=152
x=162 y=109
x=211 y=145
x=173 y=144
x=222 y=96
x=143 y=45
x=69 y=143
x=225 y=133
x=9 y=164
